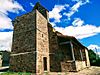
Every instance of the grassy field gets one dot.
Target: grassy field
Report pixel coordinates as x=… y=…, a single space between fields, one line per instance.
x=15 y=73
x=93 y=70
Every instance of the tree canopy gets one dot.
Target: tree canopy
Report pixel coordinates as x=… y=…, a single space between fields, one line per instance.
x=94 y=58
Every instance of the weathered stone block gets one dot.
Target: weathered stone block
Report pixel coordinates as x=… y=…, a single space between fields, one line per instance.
x=23 y=63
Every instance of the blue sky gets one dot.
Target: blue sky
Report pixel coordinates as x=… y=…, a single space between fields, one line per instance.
x=78 y=18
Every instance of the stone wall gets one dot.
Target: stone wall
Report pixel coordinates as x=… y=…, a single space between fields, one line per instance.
x=42 y=43
x=24 y=33
x=68 y=66
x=55 y=65
x=24 y=42
x=73 y=66
x=23 y=62
x=80 y=65
x=53 y=40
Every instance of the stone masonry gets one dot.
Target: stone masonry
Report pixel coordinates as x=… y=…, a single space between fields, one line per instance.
x=30 y=42
x=23 y=54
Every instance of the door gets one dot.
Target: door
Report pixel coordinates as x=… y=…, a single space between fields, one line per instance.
x=45 y=63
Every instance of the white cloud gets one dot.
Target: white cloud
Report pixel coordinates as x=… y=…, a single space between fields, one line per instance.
x=93 y=47
x=77 y=22
x=6 y=40
x=53 y=24
x=98 y=54
x=79 y=32
x=79 y=0
x=5 y=7
x=83 y=1
x=31 y=4
x=5 y=22
x=55 y=13
x=75 y=7
x=10 y=6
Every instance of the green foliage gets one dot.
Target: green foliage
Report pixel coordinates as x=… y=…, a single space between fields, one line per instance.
x=94 y=58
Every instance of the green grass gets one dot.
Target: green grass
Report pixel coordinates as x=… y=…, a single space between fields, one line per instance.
x=15 y=73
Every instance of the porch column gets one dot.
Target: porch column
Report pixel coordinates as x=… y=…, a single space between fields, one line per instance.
x=81 y=55
x=87 y=58
x=72 y=51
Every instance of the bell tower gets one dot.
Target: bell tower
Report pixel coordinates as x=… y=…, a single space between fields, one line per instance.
x=42 y=39
x=30 y=46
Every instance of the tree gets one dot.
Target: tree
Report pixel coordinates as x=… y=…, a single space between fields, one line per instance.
x=94 y=58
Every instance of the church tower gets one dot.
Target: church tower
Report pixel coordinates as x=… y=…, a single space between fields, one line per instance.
x=30 y=46
x=42 y=39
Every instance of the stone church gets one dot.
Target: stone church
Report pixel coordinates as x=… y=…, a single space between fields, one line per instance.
x=37 y=47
